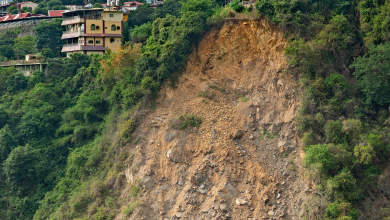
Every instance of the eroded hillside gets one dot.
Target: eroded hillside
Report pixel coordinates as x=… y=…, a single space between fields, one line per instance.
x=243 y=162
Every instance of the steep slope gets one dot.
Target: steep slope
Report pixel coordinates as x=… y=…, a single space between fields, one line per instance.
x=243 y=161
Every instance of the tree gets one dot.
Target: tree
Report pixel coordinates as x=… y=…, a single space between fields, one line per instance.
x=50 y=4
x=7 y=51
x=7 y=142
x=23 y=46
x=39 y=10
x=12 y=9
x=25 y=9
x=141 y=15
x=142 y=33
x=47 y=53
x=97 y=5
x=169 y=7
x=48 y=35
x=373 y=75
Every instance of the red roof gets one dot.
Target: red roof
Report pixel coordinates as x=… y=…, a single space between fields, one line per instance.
x=9 y=17
x=56 y=13
x=132 y=3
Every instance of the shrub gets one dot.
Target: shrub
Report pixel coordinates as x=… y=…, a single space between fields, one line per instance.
x=334 y=132
x=319 y=154
x=353 y=128
x=343 y=187
x=373 y=74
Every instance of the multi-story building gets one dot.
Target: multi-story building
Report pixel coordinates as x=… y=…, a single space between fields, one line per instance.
x=92 y=30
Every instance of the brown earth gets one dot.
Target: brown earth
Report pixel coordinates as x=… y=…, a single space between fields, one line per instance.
x=238 y=82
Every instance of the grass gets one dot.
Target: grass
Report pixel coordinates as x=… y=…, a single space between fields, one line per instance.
x=292 y=166
x=221 y=89
x=202 y=94
x=262 y=136
x=191 y=120
x=244 y=99
x=135 y=141
x=130 y=208
x=136 y=190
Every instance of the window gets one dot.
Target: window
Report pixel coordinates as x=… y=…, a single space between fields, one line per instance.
x=111 y=15
x=97 y=28
x=90 y=41
x=93 y=27
x=118 y=28
x=112 y=40
x=113 y=27
x=98 y=42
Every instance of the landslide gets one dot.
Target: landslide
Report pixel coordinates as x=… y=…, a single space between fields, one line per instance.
x=243 y=160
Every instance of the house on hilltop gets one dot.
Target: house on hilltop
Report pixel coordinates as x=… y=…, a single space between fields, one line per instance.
x=92 y=31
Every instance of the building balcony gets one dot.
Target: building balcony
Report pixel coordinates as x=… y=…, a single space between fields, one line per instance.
x=81 y=47
x=72 y=20
x=78 y=19
x=72 y=34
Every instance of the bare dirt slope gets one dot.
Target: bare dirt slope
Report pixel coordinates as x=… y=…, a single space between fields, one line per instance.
x=230 y=168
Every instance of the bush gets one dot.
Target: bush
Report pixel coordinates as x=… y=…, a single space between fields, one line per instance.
x=343 y=187
x=373 y=74
x=334 y=132
x=319 y=154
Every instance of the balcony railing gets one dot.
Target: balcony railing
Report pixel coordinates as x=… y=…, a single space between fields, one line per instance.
x=70 y=18
x=81 y=30
x=94 y=17
x=74 y=44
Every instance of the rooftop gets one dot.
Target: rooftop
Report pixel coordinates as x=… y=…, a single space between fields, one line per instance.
x=56 y=13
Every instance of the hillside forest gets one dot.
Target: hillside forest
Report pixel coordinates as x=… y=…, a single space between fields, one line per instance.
x=56 y=129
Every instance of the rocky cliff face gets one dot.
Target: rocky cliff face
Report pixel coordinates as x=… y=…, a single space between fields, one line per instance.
x=243 y=162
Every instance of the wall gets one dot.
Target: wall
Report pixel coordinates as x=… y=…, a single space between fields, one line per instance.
x=95 y=22
x=31 y=5
x=108 y=29
x=113 y=46
x=118 y=16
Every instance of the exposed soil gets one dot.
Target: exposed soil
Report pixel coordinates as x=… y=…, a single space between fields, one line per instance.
x=243 y=162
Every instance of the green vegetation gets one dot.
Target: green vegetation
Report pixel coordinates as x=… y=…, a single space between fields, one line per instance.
x=63 y=126
x=345 y=73
x=47 y=41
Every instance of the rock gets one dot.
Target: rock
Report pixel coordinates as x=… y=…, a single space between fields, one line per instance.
x=202 y=191
x=169 y=153
x=223 y=207
x=251 y=137
x=198 y=179
x=271 y=213
x=175 y=156
x=227 y=192
x=278 y=196
x=238 y=134
x=148 y=172
x=162 y=212
x=170 y=135
x=179 y=214
x=274 y=129
x=241 y=202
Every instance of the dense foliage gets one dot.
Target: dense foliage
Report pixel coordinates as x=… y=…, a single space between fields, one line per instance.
x=69 y=126
x=47 y=41
x=63 y=126
x=345 y=73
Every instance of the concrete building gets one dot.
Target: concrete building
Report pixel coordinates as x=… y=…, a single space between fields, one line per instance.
x=92 y=30
x=74 y=7
x=30 y=5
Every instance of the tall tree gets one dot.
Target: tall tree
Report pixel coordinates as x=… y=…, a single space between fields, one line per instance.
x=48 y=35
